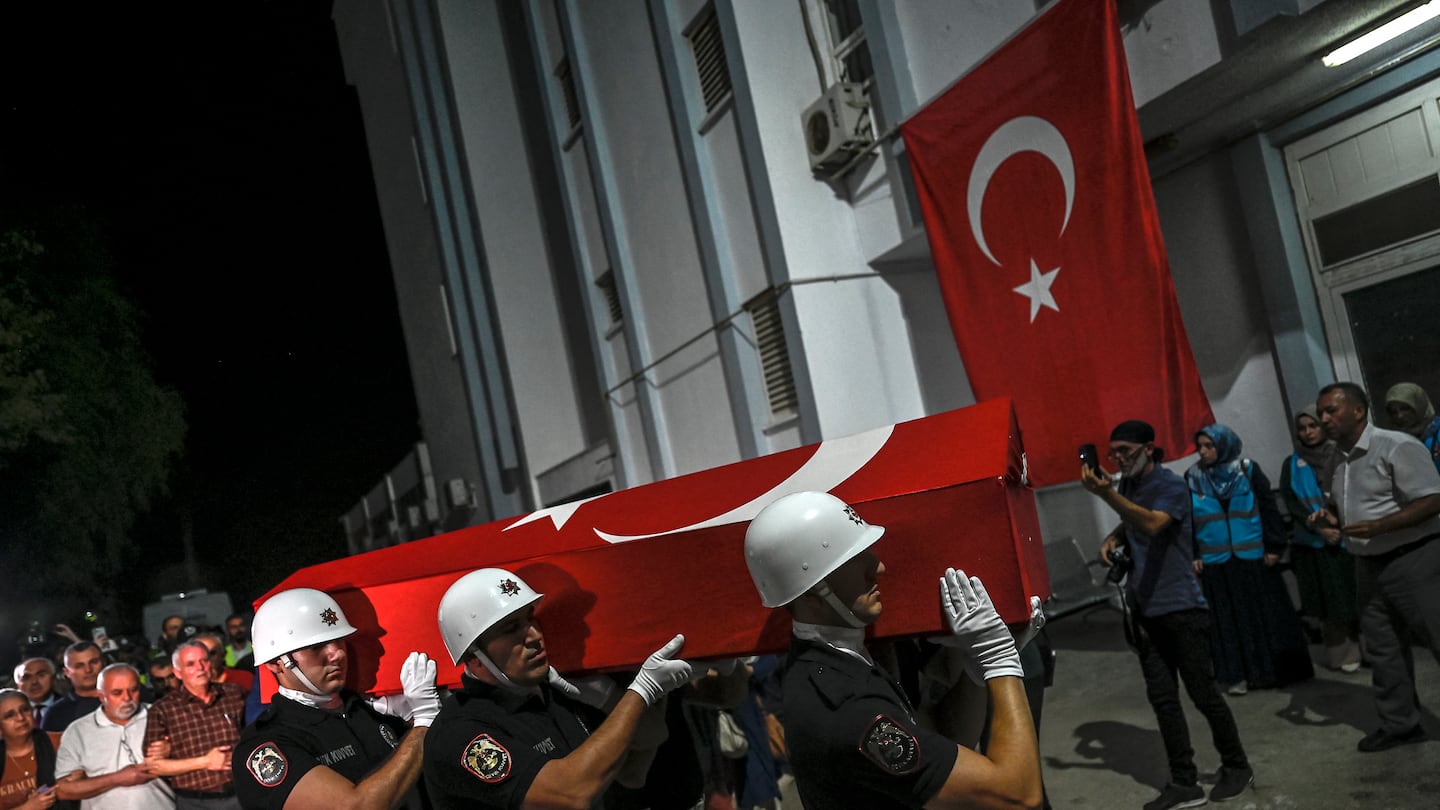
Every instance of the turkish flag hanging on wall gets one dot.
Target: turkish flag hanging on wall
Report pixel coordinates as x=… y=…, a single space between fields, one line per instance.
x=1042 y=225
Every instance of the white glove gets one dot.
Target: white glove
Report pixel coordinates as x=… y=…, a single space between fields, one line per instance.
x=564 y=687
x=1026 y=634
x=661 y=673
x=977 y=628
x=417 y=676
x=393 y=705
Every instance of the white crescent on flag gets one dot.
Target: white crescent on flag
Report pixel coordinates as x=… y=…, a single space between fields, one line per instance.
x=831 y=465
x=1024 y=133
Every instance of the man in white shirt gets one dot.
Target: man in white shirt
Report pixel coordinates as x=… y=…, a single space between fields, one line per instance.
x=1388 y=496
x=102 y=754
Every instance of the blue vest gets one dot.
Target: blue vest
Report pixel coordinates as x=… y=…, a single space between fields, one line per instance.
x=1431 y=439
x=1222 y=532
x=1305 y=486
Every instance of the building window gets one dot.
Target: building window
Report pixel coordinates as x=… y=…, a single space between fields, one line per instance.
x=709 y=52
x=847 y=41
x=764 y=312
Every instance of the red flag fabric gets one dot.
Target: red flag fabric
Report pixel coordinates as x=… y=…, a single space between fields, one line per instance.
x=1037 y=202
x=624 y=572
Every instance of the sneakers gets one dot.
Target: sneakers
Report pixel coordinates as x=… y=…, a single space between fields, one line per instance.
x=1176 y=796
x=1238 y=688
x=1230 y=783
x=1381 y=740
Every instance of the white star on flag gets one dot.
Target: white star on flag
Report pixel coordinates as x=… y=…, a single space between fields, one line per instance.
x=1037 y=289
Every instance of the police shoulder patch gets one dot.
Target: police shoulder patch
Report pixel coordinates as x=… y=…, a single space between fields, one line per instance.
x=487 y=759
x=889 y=745
x=388 y=735
x=267 y=765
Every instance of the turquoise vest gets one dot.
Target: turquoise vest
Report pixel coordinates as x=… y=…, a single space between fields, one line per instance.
x=1305 y=486
x=1221 y=532
x=1431 y=439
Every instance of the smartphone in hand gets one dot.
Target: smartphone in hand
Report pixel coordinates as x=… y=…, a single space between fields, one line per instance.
x=1090 y=457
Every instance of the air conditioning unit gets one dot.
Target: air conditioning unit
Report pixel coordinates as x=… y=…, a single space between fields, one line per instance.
x=459 y=491
x=837 y=127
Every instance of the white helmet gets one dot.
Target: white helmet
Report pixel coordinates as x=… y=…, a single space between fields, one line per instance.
x=294 y=619
x=797 y=541
x=477 y=602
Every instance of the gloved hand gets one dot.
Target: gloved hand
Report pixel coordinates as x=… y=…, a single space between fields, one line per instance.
x=564 y=687
x=661 y=673
x=1024 y=634
x=977 y=628
x=417 y=677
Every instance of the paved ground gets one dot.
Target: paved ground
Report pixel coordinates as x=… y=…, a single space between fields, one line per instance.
x=1101 y=749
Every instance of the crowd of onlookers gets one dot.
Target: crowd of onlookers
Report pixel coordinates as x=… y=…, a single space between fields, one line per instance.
x=1246 y=528
x=58 y=671
x=1351 y=500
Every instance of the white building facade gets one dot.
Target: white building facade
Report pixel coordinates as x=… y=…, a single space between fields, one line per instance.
x=616 y=261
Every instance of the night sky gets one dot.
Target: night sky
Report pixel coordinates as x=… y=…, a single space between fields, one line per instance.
x=224 y=153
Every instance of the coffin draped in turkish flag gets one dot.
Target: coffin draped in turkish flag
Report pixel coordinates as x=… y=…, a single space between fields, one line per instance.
x=624 y=572
x=1043 y=229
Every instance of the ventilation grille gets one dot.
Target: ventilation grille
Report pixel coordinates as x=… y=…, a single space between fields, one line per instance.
x=606 y=283
x=764 y=312
x=709 y=50
x=567 y=92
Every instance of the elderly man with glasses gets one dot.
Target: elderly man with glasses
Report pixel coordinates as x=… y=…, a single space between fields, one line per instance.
x=101 y=756
x=1168 y=620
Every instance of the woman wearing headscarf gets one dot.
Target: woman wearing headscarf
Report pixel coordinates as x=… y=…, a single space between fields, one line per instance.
x=1410 y=410
x=1240 y=536
x=1323 y=567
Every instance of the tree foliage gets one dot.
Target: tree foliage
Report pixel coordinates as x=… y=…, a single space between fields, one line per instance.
x=87 y=435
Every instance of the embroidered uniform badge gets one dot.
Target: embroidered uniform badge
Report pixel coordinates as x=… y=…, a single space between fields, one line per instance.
x=329 y=617
x=267 y=765
x=509 y=587
x=388 y=736
x=487 y=759
x=890 y=746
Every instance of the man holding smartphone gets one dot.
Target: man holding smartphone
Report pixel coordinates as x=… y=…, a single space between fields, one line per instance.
x=1171 y=633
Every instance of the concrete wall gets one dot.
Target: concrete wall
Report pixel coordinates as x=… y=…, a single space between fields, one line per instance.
x=1215 y=279
x=374 y=67
x=516 y=255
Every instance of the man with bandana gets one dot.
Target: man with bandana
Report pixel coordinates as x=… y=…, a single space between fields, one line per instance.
x=851 y=733
x=319 y=745
x=1169 y=624
x=515 y=735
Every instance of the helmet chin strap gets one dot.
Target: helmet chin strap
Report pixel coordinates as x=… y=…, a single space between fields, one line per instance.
x=312 y=696
x=822 y=590
x=505 y=681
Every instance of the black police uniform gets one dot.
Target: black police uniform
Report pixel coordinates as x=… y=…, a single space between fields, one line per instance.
x=487 y=745
x=289 y=738
x=852 y=736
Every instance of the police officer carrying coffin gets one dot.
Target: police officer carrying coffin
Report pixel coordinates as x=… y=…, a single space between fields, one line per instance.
x=317 y=745
x=513 y=736
x=851 y=733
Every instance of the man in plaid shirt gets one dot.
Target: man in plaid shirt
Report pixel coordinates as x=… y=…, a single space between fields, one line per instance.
x=191 y=732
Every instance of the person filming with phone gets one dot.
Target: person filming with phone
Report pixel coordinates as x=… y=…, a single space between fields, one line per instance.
x=1170 y=620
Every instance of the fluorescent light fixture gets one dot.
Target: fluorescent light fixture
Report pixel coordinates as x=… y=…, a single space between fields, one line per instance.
x=1383 y=34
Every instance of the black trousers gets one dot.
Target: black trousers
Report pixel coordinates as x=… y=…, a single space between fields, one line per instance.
x=1175 y=647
